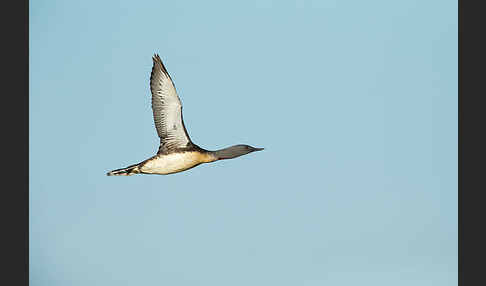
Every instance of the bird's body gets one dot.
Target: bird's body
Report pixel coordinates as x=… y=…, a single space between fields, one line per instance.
x=177 y=152
x=168 y=164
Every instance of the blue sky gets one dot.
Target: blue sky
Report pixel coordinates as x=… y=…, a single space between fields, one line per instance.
x=354 y=101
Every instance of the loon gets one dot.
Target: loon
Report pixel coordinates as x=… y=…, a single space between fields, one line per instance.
x=177 y=153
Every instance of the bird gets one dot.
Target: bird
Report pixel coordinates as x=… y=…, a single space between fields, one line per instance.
x=177 y=152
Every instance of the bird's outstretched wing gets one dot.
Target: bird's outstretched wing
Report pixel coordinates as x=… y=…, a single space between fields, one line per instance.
x=167 y=110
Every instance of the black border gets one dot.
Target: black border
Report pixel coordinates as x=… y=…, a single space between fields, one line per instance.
x=15 y=142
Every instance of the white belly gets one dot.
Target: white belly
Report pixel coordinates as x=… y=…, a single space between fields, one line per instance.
x=173 y=163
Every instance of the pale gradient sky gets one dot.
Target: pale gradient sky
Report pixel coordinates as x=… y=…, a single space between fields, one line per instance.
x=354 y=101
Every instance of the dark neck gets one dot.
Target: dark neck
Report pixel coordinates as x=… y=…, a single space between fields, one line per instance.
x=230 y=152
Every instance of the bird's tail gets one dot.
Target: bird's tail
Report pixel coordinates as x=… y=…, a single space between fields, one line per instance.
x=128 y=171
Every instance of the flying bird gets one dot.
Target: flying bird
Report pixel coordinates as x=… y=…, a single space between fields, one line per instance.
x=176 y=152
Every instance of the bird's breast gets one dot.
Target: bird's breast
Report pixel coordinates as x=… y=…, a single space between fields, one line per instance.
x=175 y=162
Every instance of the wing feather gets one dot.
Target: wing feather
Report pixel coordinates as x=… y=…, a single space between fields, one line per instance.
x=167 y=109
